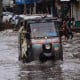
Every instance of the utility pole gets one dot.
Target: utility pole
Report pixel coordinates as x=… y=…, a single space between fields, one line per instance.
x=0 y=14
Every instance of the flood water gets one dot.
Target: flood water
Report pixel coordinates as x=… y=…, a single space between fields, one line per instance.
x=12 y=69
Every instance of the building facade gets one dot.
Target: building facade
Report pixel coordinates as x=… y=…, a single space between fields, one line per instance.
x=8 y=5
x=37 y=6
x=69 y=8
x=75 y=10
x=55 y=7
x=58 y=8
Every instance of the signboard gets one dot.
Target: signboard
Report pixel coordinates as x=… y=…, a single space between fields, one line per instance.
x=26 y=1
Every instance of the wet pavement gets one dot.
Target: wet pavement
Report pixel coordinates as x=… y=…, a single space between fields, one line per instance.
x=12 y=69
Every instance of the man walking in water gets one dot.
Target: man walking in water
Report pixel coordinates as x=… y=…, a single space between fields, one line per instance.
x=64 y=30
x=69 y=24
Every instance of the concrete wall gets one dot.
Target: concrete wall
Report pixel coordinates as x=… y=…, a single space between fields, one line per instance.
x=78 y=11
x=75 y=10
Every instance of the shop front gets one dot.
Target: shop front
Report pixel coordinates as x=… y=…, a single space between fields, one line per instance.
x=37 y=6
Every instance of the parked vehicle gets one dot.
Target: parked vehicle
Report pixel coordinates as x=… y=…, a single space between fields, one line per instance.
x=39 y=39
x=6 y=16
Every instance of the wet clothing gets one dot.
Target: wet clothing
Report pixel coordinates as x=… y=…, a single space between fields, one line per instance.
x=64 y=30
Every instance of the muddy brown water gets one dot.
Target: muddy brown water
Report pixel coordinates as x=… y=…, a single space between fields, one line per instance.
x=12 y=69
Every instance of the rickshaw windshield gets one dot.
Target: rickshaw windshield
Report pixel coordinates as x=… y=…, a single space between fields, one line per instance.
x=43 y=29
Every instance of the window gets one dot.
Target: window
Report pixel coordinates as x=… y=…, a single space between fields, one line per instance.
x=46 y=29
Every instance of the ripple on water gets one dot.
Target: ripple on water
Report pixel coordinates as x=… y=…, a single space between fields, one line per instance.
x=9 y=66
x=11 y=69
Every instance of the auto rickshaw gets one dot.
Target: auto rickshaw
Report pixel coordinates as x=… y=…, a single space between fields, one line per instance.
x=39 y=39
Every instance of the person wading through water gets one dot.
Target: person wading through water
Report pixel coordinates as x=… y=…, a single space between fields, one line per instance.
x=69 y=24
x=65 y=30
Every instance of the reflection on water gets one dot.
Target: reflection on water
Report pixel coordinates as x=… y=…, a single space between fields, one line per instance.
x=41 y=71
x=12 y=69
x=9 y=67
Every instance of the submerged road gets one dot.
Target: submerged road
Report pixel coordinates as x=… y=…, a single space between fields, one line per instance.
x=12 y=69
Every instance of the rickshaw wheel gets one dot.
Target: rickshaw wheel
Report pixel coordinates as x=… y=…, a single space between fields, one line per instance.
x=29 y=54
x=42 y=58
x=61 y=56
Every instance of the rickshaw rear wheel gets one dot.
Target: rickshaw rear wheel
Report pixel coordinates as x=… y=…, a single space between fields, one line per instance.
x=58 y=56
x=61 y=56
x=29 y=54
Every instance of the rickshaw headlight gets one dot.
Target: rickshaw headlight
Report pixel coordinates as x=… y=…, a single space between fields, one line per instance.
x=47 y=46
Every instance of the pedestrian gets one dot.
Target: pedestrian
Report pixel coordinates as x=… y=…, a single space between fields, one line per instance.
x=65 y=30
x=69 y=25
